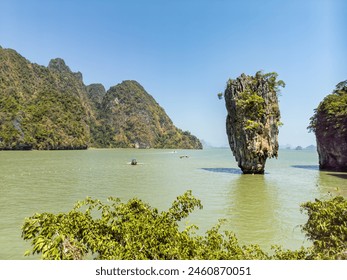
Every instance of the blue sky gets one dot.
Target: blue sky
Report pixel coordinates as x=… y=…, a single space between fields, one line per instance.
x=183 y=52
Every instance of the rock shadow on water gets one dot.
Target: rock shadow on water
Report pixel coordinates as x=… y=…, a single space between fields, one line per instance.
x=339 y=175
x=228 y=170
x=223 y=170
x=307 y=167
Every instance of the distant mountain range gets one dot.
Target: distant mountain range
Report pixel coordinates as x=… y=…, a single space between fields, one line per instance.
x=289 y=147
x=51 y=108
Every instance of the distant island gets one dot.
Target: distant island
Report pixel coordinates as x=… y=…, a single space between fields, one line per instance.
x=50 y=108
x=288 y=147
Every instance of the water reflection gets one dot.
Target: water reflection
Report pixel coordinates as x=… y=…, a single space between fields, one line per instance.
x=339 y=175
x=332 y=184
x=254 y=210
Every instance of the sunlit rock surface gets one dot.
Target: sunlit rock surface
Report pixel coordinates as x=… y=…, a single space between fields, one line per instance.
x=252 y=120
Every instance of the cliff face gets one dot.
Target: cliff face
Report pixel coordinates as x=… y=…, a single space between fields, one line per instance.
x=40 y=107
x=51 y=108
x=96 y=93
x=330 y=126
x=134 y=119
x=252 y=120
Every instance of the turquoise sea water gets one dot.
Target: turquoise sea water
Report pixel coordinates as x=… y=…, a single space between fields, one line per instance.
x=262 y=209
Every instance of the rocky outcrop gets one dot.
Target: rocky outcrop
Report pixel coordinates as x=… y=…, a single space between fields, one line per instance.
x=96 y=93
x=42 y=108
x=253 y=119
x=58 y=64
x=133 y=119
x=330 y=126
x=332 y=153
x=50 y=108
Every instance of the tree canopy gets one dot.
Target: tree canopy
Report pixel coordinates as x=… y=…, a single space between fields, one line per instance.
x=332 y=111
x=136 y=231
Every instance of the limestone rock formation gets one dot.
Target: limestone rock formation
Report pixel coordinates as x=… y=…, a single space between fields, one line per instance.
x=133 y=119
x=330 y=126
x=42 y=108
x=96 y=93
x=253 y=119
x=50 y=108
x=58 y=64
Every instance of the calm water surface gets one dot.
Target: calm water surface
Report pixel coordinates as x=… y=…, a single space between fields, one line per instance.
x=263 y=209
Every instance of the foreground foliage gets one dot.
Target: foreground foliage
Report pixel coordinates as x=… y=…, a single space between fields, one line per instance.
x=327 y=227
x=135 y=230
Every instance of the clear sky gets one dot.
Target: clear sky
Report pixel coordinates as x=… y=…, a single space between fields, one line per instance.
x=184 y=51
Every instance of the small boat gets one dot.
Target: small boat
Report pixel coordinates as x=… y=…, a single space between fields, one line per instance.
x=133 y=161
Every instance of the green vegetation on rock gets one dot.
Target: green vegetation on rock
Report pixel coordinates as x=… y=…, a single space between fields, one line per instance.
x=253 y=119
x=132 y=118
x=49 y=108
x=41 y=108
x=329 y=123
x=332 y=110
x=137 y=231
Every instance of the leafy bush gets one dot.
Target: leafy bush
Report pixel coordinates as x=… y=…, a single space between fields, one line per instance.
x=135 y=230
x=327 y=227
x=331 y=114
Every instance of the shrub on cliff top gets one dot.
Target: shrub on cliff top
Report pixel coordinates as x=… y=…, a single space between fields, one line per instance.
x=332 y=111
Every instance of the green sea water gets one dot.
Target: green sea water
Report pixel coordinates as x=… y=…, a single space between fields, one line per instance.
x=262 y=209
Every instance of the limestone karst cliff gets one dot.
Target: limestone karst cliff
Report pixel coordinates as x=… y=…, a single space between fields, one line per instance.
x=252 y=120
x=50 y=108
x=131 y=117
x=41 y=107
x=330 y=126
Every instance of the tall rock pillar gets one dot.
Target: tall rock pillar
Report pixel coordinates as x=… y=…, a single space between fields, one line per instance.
x=253 y=119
